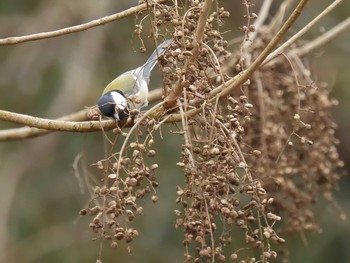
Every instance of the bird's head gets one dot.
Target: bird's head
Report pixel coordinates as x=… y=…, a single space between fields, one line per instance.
x=114 y=104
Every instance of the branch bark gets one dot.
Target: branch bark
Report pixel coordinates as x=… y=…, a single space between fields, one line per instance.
x=77 y=28
x=32 y=132
x=55 y=125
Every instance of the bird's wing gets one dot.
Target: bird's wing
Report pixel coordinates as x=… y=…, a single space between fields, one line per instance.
x=153 y=59
x=125 y=83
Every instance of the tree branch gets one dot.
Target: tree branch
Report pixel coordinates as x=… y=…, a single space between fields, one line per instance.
x=226 y=88
x=323 y=39
x=306 y=28
x=32 y=132
x=221 y=91
x=158 y=113
x=55 y=125
x=77 y=28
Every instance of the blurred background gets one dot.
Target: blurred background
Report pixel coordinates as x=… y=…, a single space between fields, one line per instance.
x=40 y=193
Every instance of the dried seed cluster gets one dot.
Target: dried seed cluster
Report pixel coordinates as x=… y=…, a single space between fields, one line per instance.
x=127 y=178
x=294 y=131
x=183 y=22
x=267 y=150
x=254 y=155
x=264 y=151
x=221 y=194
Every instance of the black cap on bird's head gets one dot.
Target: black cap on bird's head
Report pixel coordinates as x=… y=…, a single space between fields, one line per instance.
x=114 y=104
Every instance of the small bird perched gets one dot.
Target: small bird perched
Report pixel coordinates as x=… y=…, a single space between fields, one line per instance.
x=130 y=89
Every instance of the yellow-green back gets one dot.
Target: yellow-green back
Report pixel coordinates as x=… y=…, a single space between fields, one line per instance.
x=125 y=83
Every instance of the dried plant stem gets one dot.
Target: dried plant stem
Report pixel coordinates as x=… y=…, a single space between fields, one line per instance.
x=323 y=39
x=263 y=14
x=260 y=88
x=77 y=28
x=170 y=100
x=306 y=28
x=245 y=75
x=137 y=123
x=211 y=232
x=279 y=16
x=185 y=126
x=232 y=136
x=226 y=88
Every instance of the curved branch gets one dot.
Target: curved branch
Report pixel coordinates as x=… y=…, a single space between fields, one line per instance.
x=77 y=28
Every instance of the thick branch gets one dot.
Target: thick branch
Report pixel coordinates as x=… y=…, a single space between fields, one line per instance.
x=77 y=28
x=32 y=132
x=55 y=125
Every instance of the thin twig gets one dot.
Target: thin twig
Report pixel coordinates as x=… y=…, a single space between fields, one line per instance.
x=137 y=123
x=311 y=46
x=306 y=28
x=245 y=75
x=77 y=28
x=262 y=16
x=211 y=232
x=233 y=136
x=277 y=20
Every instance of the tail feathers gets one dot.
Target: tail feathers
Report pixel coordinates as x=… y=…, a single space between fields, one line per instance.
x=152 y=60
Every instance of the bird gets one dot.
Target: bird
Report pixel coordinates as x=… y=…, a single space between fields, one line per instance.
x=130 y=90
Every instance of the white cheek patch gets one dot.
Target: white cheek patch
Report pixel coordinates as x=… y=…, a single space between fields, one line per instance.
x=120 y=101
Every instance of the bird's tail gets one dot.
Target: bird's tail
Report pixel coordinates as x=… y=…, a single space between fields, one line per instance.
x=152 y=60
